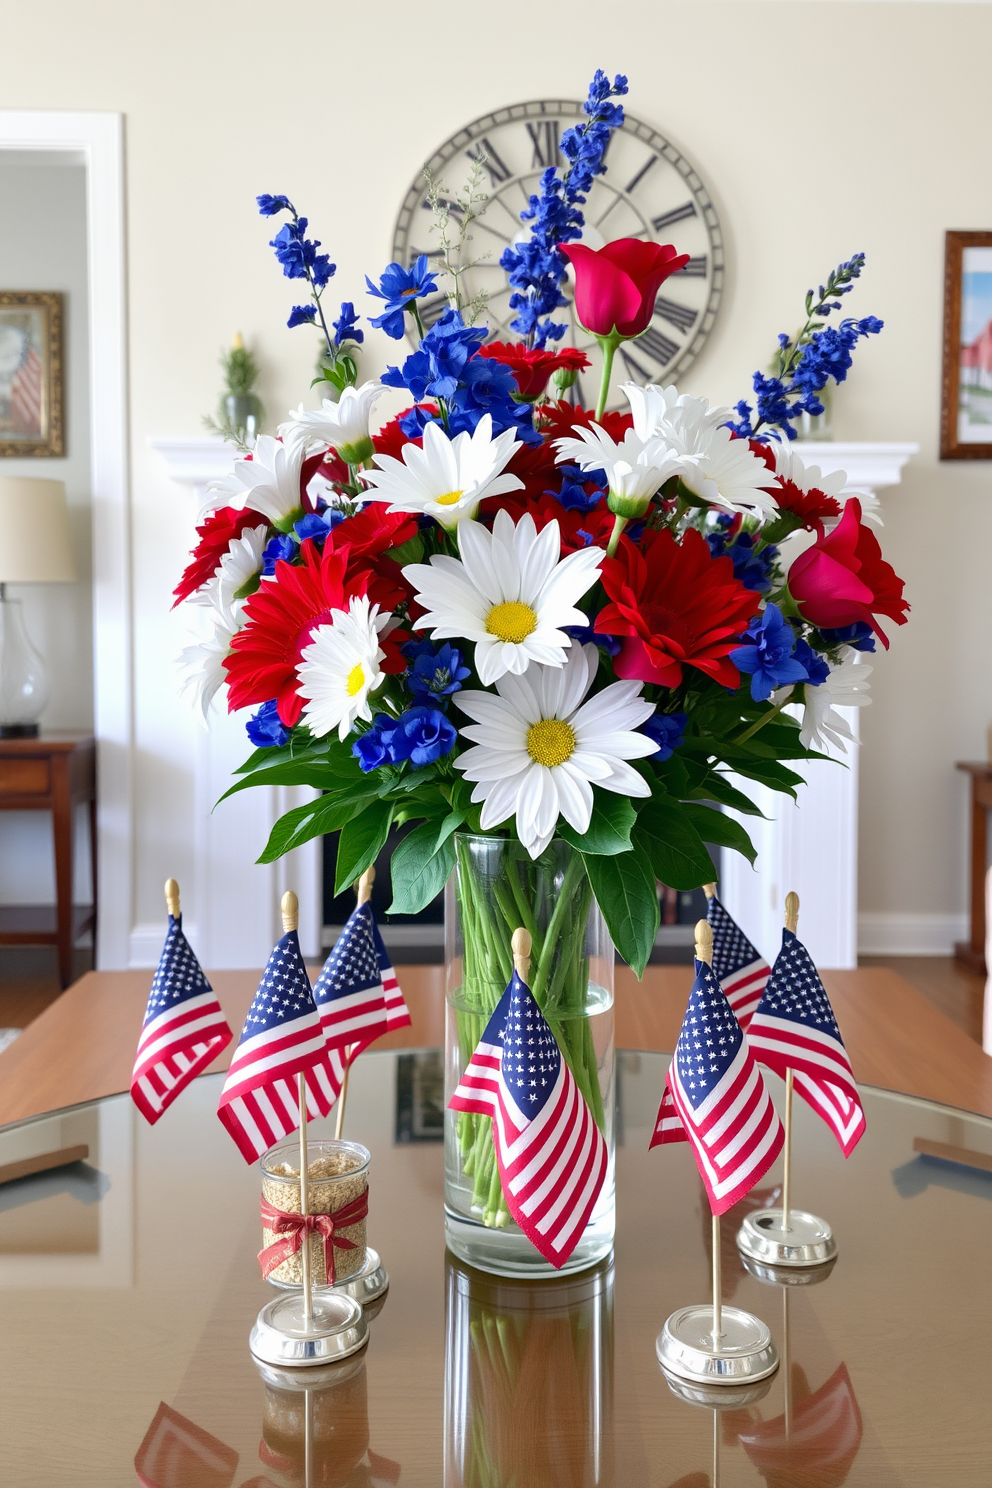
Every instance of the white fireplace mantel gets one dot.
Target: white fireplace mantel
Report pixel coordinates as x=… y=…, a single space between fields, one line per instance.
x=810 y=846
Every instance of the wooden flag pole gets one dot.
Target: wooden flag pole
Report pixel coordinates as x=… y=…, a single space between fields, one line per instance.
x=291 y=921
x=709 y=890
x=364 y=895
x=172 y=897
x=520 y=945
x=791 y=923
x=704 y=952
x=786 y=1361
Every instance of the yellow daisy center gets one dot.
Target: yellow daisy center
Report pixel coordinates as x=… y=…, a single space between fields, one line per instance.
x=450 y=498
x=356 y=679
x=550 y=742
x=511 y=621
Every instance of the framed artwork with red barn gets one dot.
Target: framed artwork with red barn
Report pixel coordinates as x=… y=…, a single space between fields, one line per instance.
x=31 y=362
x=966 y=402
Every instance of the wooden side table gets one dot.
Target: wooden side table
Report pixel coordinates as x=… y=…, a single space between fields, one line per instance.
x=972 y=951
x=55 y=772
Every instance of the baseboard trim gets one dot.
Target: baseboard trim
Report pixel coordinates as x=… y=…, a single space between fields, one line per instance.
x=898 y=934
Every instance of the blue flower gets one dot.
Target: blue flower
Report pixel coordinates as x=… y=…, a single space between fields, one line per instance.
x=486 y=384
x=828 y=354
x=281 y=546
x=666 y=729
x=859 y=635
x=371 y=749
x=316 y=525
x=400 y=288
x=817 y=668
x=536 y=268
x=298 y=254
x=767 y=654
x=752 y=569
x=434 y=674
x=573 y=494
x=436 y=368
x=302 y=315
x=421 y=735
x=265 y=728
x=268 y=206
x=345 y=327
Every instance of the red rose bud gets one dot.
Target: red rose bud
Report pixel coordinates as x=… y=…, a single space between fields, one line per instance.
x=616 y=286
x=533 y=368
x=843 y=578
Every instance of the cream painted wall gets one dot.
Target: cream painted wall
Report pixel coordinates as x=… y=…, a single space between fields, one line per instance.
x=43 y=246
x=821 y=128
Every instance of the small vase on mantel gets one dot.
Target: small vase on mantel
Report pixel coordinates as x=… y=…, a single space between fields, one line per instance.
x=496 y=887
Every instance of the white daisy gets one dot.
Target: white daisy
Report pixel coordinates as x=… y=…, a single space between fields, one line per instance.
x=268 y=483
x=653 y=407
x=340 y=668
x=635 y=469
x=201 y=665
x=789 y=467
x=509 y=593
x=344 y=424
x=715 y=466
x=229 y=586
x=448 y=478
x=847 y=687
x=539 y=748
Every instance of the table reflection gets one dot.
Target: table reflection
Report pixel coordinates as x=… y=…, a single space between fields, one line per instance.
x=528 y=1380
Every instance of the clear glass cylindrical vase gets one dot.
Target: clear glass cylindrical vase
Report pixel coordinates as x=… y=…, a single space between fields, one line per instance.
x=495 y=888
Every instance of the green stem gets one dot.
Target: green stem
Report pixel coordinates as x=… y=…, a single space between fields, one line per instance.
x=619 y=523
x=608 y=346
x=765 y=718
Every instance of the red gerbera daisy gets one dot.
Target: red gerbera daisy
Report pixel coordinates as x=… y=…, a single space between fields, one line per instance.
x=578 y=529
x=216 y=535
x=675 y=605
x=391 y=440
x=810 y=508
x=280 y=619
x=560 y=421
x=532 y=368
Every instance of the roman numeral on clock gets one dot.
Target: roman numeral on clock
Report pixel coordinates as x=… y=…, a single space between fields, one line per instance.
x=679 y=316
x=696 y=267
x=657 y=345
x=497 y=168
x=544 y=138
x=432 y=310
x=677 y=214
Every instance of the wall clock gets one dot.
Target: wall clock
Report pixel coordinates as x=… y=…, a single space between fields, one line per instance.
x=651 y=190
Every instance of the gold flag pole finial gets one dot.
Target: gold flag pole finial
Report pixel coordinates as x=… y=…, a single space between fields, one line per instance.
x=792 y=911
x=290 y=912
x=709 y=890
x=521 y=947
x=704 y=941
x=365 y=885
x=172 y=897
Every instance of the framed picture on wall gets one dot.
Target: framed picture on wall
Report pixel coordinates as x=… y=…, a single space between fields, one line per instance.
x=966 y=403
x=31 y=363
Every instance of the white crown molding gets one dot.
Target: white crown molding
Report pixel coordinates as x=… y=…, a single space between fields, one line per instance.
x=195 y=462
x=868 y=466
x=894 y=933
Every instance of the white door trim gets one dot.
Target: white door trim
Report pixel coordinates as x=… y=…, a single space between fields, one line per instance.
x=97 y=140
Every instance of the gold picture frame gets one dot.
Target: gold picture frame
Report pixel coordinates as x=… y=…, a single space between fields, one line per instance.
x=31 y=374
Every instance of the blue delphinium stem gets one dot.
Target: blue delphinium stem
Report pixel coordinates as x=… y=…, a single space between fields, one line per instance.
x=268 y=206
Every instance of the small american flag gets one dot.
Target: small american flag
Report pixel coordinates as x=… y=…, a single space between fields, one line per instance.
x=794 y=1027
x=26 y=393
x=357 y=994
x=282 y=1037
x=741 y=970
x=551 y=1155
x=715 y=1098
x=184 y=1029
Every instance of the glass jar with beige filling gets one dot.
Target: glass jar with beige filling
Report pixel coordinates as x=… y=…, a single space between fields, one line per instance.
x=338 y=1174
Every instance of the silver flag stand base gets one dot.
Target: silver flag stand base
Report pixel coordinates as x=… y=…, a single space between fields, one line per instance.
x=285 y=1337
x=742 y=1354
x=808 y=1241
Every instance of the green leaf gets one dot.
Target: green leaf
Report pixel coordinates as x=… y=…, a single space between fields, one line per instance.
x=627 y=893
x=450 y=825
x=673 y=847
x=312 y=819
x=362 y=840
x=419 y=869
x=770 y=773
x=716 y=787
x=673 y=775
x=609 y=829
x=320 y=776
x=720 y=830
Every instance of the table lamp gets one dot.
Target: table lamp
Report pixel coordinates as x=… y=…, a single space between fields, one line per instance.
x=35 y=548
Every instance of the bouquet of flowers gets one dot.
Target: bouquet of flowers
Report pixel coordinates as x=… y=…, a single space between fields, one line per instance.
x=504 y=613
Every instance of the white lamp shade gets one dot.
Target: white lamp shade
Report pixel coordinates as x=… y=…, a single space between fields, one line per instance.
x=35 y=541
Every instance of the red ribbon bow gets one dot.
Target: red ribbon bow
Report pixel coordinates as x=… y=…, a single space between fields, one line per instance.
x=292 y=1228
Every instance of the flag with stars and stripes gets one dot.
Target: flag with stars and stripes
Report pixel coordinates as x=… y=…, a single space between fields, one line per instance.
x=741 y=970
x=794 y=1027
x=282 y=1037
x=184 y=1029
x=357 y=994
x=551 y=1155
x=716 y=1099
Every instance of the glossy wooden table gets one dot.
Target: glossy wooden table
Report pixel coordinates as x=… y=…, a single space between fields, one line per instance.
x=128 y=1286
